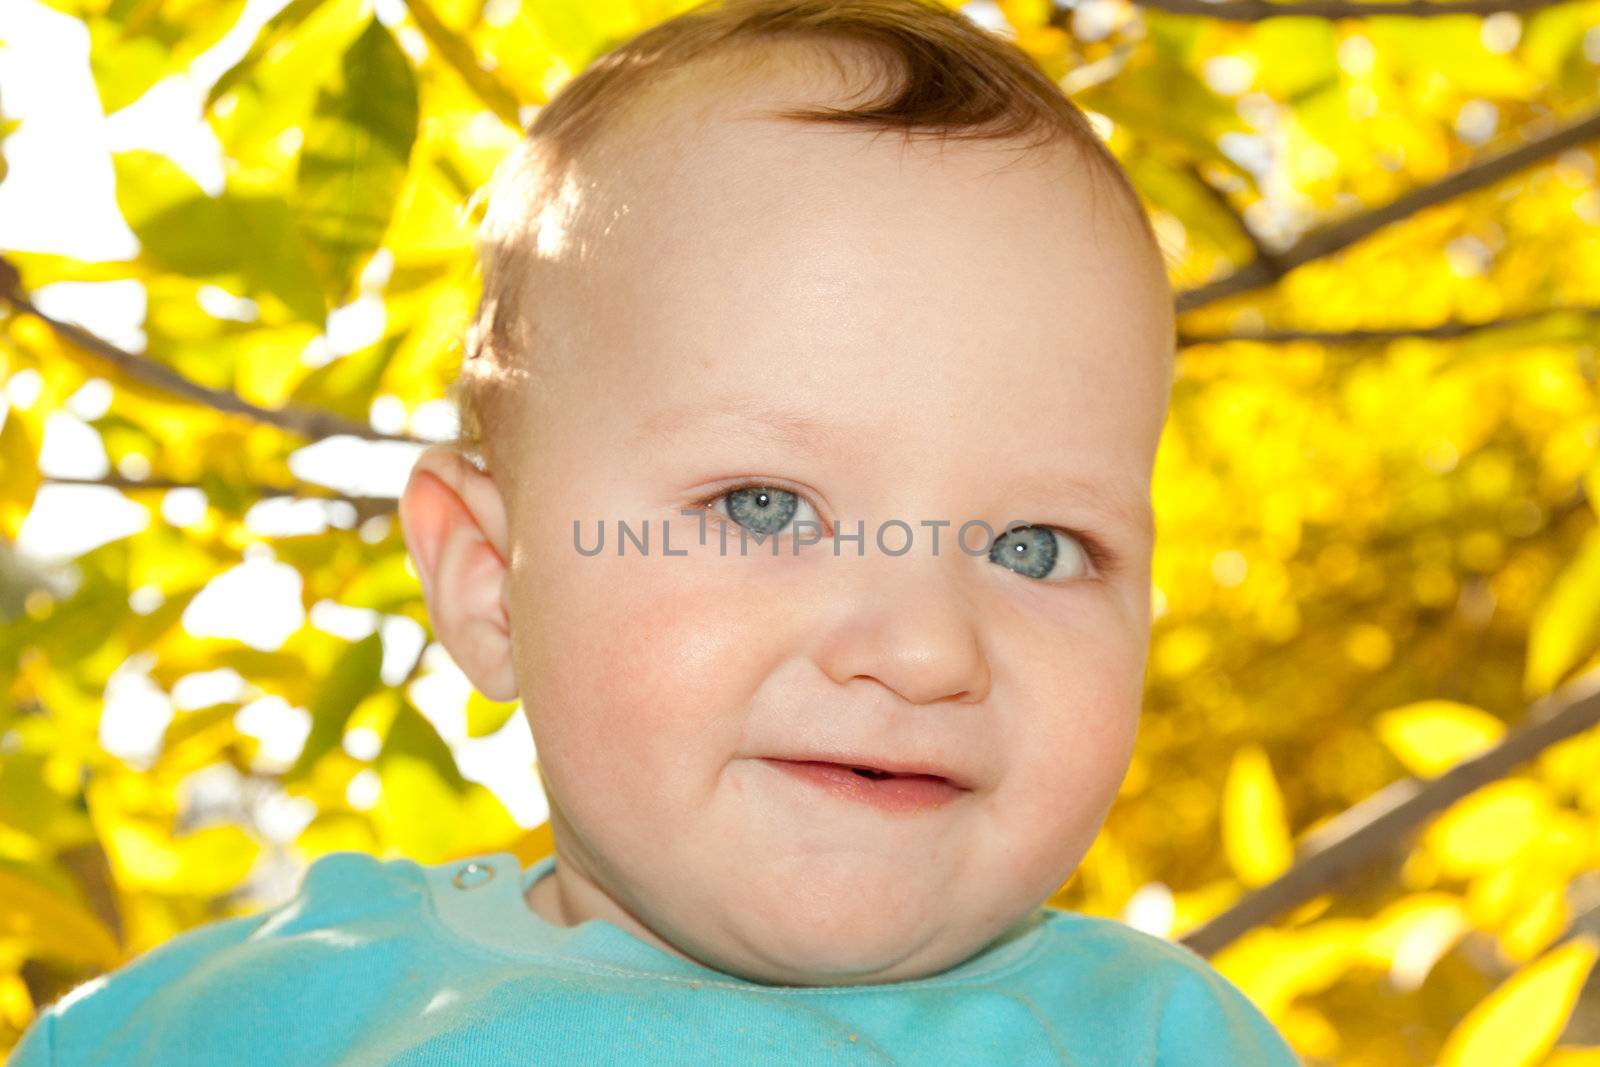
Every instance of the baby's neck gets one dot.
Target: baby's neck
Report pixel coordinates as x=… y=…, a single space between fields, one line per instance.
x=545 y=900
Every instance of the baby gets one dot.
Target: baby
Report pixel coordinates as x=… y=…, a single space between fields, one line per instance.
x=803 y=500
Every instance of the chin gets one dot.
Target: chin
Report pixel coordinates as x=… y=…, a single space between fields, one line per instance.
x=811 y=961
x=775 y=962
x=809 y=937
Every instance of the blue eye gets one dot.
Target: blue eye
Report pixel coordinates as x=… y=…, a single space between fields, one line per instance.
x=1033 y=552
x=763 y=509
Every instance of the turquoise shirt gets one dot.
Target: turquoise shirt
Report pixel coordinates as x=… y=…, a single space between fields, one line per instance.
x=391 y=962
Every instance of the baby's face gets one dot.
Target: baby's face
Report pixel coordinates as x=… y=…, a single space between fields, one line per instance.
x=869 y=332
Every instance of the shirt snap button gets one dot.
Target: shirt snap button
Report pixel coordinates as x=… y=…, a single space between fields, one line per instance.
x=472 y=875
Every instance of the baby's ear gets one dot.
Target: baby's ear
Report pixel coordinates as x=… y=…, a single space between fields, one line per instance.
x=454 y=522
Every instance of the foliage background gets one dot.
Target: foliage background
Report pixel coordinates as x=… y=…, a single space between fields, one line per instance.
x=1378 y=557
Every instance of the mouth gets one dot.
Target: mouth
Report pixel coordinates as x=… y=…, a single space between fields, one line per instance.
x=878 y=769
x=890 y=789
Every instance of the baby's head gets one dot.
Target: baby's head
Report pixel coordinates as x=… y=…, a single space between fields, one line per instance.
x=703 y=290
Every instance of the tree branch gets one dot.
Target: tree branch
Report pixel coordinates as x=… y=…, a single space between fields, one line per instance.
x=1220 y=201
x=366 y=506
x=314 y=425
x=1442 y=331
x=1256 y=10
x=1379 y=825
x=1333 y=237
x=1086 y=76
x=492 y=92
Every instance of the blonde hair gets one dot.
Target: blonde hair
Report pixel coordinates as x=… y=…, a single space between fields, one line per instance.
x=949 y=78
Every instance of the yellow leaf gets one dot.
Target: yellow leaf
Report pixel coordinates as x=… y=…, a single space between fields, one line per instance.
x=1431 y=736
x=16 y=1003
x=1520 y=1021
x=1489 y=827
x=19 y=458
x=1255 y=831
x=1279 y=966
x=485 y=716
x=534 y=845
x=485 y=820
x=1569 y=765
x=1413 y=932
x=1532 y=929
x=1591 y=485
x=333 y=831
x=207 y=862
x=1565 y=628
x=1310 y=1032
x=1573 y=1057
x=53 y=925
x=417 y=811
x=1493 y=893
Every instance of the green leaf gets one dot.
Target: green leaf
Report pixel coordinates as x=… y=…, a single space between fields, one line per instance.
x=458 y=53
x=143 y=631
x=1297 y=55
x=386 y=584
x=577 y=33
x=29 y=805
x=353 y=162
x=124 y=68
x=419 y=806
x=1170 y=104
x=248 y=238
x=187 y=724
x=353 y=676
x=260 y=119
x=1188 y=198
x=275 y=29
x=133 y=46
x=78 y=627
x=412 y=736
x=123 y=437
x=1450 y=48
x=347 y=385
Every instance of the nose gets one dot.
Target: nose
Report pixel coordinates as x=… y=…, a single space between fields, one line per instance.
x=911 y=629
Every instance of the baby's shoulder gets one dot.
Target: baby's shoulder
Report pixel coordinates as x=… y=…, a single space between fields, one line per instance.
x=341 y=886
x=1116 y=961
x=1198 y=1014
x=344 y=899
x=1114 y=940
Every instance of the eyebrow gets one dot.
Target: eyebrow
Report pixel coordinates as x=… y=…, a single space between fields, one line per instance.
x=1133 y=513
x=762 y=419
x=747 y=416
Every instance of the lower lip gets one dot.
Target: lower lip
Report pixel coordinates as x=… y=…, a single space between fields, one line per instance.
x=907 y=793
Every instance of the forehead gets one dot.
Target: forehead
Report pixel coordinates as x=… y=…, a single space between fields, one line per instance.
x=700 y=165
x=780 y=243
x=856 y=276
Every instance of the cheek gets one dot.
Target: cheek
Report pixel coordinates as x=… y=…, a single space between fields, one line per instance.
x=1072 y=748
x=640 y=662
